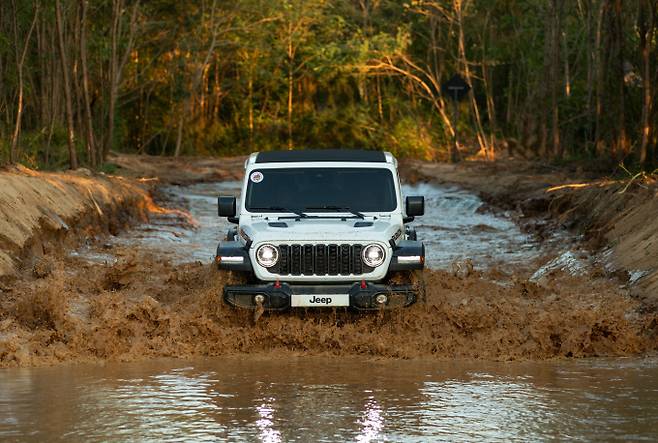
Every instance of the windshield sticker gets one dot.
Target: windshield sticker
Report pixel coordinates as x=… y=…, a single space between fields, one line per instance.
x=256 y=177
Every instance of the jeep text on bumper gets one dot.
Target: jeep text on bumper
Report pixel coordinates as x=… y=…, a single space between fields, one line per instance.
x=321 y=228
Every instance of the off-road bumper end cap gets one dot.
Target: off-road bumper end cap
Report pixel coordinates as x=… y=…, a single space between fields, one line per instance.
x=277 y=297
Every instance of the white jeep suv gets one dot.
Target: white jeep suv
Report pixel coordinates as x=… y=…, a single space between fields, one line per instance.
x=318 y=228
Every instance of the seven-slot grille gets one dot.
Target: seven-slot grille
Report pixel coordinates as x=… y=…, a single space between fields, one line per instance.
x=323 y=259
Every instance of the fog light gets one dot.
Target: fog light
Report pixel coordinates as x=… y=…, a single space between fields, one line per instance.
x=381 y=299
x=259 y=299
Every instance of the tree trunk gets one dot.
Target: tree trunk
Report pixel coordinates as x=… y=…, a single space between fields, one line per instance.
x=555 y=85
x=116 y=65
x=250 y=88
x=646 y=26
x=179 y=132
x=481 y=137
x=601 y=59
x=89 y=127
x=20 y=61
x=291 y=55
x=70 y=133
x=117 y=7
x=623 y=142
x=591 y=60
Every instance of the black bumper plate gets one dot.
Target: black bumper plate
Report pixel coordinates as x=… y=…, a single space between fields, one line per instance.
x=279 y=297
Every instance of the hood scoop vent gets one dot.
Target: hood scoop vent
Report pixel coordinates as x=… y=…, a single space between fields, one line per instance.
x=278 y=224
x=362 y=224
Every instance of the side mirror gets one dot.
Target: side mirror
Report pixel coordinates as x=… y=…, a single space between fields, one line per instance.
x=415 y=206
x=226 y=206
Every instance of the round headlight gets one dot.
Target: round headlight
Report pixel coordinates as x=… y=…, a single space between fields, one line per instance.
x=267 y=255
x=373 y=255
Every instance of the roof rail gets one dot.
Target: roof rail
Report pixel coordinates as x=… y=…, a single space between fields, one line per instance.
x=321 y=155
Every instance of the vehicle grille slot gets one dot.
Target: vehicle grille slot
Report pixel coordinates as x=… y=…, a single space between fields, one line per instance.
x=321 y=259
x=284 y=260
x=333 y=260
x=345 y=259
x=308 y=268
x=296 y=259
x=356 y=260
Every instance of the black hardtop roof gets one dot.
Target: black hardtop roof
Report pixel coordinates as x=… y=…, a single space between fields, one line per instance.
x=321 y=155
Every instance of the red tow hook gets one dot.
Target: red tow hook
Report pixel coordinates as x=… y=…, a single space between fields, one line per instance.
x=363 y=284
x=277 y=284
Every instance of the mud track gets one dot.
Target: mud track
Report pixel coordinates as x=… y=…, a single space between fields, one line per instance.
x=143 y=307
x=65 y=309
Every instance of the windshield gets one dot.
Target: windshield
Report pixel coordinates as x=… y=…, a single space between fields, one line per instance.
x=321 y=190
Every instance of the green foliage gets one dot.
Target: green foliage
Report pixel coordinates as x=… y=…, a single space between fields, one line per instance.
x=109 y=168
x=409 y=138
x=215 y=78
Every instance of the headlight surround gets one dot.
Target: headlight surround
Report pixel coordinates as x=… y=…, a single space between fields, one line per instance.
x=373 y=255
x=267 y=255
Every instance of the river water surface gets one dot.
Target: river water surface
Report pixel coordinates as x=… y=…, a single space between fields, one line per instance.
x=277 y=397
x=273 y=399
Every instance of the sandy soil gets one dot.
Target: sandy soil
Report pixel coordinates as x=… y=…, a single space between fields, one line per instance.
x=41 y=212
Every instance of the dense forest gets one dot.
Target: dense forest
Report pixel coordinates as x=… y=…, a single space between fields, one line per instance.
x=557 y=80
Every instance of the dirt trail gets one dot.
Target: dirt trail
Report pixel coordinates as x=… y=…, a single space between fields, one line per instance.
x=143 y=307
x=41 y=212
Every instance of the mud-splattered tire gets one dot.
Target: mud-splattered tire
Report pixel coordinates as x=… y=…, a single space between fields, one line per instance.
x=413 y=278
x=418 y=280
x=238 y=278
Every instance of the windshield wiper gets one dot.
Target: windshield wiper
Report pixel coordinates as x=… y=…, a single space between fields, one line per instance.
x=336 y=208
x=281 y=209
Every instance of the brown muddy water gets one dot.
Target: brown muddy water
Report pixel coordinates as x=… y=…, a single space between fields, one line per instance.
x=320 y=399
x=426 y=373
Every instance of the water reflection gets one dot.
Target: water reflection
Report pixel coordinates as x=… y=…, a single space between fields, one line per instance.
x=372 y=422
x=316 y=399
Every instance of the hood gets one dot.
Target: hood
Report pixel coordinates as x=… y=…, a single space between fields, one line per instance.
x=321 y=230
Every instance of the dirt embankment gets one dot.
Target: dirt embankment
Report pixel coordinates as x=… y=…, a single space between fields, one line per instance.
x=620 y=216
x=43 y=212
x=179 y=170
x=143 y=307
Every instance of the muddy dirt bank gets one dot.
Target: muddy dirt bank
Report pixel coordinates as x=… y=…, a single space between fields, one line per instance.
x=618 y=218
x=42 y=212
x=144 y=307
x=179 y=170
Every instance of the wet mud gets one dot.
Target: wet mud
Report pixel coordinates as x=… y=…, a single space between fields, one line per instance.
x=143 y=306
x=129 y=298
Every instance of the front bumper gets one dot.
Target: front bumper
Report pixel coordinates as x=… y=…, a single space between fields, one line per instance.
x=278 y=297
